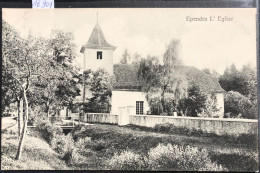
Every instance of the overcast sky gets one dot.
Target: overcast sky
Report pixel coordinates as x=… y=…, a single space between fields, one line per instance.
x=205 y=44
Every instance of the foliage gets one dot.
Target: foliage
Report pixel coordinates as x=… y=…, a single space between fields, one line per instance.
x=48 y=131
x=136 y=58
x=117 y=140
x=164 y=78
x=11 y=45
x=211 y=106
x=100 y=84
x=159 y=81
x=170 y=106
x=236 y=103
x=180 y=158
x=125 y=57
x=62 y=144
x=171 y=55
x=36 y=116
x=126 y=160
x=194 y=104
x=243 y=81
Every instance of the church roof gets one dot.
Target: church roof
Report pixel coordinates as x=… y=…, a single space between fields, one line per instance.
x=97 y=40
x=126 y=78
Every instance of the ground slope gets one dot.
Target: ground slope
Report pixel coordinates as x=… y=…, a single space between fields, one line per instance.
x=37 y=153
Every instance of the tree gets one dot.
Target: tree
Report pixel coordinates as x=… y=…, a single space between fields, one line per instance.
x=243 y=81
x=163 y=78
x=136 y=59
x=194 y=104
x=171 y=55
x=100 y=83
x=38 y=70
x=125 y=57
x=23 y=65
x=61 y=77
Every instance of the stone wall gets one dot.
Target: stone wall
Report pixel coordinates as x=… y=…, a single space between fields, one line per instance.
x=219 y=126
x=100 y=118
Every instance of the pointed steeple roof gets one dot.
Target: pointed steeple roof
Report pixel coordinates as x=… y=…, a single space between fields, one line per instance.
x=97 y=40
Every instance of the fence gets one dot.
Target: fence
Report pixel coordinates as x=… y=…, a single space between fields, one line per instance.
x=218 y=126
x=100 y=118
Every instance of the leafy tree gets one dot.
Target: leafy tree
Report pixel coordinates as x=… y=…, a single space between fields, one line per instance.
x=194 y=104
x=136 y=59
x=211 y=106
x=243 y=81
x=163 y=78
x=100 y=84
x=125 y=57
x=22 y=63
x=36 y=71
x=249 y=75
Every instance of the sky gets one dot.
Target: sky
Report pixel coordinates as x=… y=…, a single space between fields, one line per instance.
x=204 y=44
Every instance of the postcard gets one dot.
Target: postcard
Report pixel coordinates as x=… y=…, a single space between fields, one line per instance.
x=139 y=89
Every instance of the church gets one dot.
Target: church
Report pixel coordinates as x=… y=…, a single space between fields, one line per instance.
x=98 y=53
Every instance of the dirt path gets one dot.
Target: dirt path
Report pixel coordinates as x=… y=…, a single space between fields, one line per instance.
x=8 y=122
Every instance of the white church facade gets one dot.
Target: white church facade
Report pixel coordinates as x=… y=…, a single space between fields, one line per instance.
x=98 y=53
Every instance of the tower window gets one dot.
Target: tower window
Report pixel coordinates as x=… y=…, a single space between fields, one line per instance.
x=99 y=55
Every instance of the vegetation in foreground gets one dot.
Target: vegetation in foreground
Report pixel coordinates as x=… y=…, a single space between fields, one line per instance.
x=37 y=153
x=127 y=148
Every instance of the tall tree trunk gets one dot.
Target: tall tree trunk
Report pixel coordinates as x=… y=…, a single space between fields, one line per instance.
x=22 y=137
x=48 y=109
x=18 y=117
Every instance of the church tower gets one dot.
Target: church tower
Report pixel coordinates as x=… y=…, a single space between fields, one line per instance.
x=98 y=53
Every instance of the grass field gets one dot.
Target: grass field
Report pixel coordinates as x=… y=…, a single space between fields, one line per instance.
x=101 y=142
x=110 y=139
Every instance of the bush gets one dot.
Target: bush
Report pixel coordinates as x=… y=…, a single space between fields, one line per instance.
x=180 y=158
x=126 y=160
x=62 y=144
x=48 y=131
x=155 y=106
x=236 y=103
x=73 y=157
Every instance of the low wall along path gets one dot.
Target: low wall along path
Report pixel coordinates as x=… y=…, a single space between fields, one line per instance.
x=220 y=126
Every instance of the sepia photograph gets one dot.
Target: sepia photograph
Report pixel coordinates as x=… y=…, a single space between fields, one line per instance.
x=133 y=89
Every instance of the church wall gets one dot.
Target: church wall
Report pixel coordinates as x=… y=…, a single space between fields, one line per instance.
x=91 y=61
x=127 y=98
x=220 y=104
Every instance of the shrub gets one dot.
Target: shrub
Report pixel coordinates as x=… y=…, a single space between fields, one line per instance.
x=180 y=158
x=126 y=160
x=62 y=144
x=154 y=104
x=48 y=131
x=236 y=103
x=211 y=108
x=73 y=157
